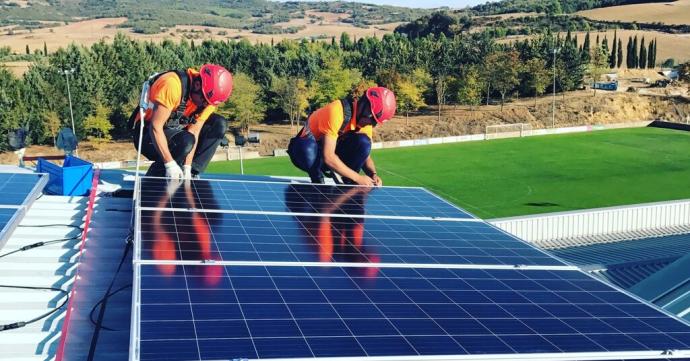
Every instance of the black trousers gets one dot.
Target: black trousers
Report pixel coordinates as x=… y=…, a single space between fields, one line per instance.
x=181 y=142
x=307 y=154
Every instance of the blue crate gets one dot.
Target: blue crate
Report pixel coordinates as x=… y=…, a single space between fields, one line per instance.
x=73 y=178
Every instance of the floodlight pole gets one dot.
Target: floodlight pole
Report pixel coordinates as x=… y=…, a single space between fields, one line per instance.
x=553 y=105
x=67 y=73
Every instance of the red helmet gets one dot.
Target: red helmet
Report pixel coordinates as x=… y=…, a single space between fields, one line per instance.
x=382 y=102
x=216 y=83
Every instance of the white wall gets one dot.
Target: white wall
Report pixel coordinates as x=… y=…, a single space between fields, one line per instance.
x=597 y=222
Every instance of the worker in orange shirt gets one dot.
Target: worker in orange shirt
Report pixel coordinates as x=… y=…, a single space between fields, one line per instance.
x=181 y=131
x=337 y=138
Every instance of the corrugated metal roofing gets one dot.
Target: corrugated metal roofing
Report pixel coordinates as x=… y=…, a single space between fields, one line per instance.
x=52 y=265
x=629 y=274
x=636 y=250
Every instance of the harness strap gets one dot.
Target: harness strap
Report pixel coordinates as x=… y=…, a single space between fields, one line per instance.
x=347 y=119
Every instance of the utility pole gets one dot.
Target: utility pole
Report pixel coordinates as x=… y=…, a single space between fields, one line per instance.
x=553 y=103
x=67 y=73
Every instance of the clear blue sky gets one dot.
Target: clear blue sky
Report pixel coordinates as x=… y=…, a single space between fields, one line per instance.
x=423 y=3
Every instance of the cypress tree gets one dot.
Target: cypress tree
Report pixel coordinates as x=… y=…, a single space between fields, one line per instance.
x=643 y=55
x=586 y=48
x=635 y=59
x=27 y=49
x=629 y=55
x=45 y=49
x=614 y=50
x=619 y=61
x=651 y=52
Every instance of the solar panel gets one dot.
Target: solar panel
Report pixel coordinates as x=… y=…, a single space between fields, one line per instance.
x=227 y=237
x=207 y=312
x=231 y=269
x=231 y=195
x=18 y=188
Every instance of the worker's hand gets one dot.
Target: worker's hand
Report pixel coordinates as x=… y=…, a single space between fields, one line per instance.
x=365 y=181
x=377 y=180
x=172 y=186
x=173 y=170
x=187 y=172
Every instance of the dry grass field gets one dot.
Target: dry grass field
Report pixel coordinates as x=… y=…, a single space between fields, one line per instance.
x=677 y=12
x=88 y=32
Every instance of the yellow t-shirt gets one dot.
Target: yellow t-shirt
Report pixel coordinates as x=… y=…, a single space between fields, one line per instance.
x=167 y=91
x=327 y=121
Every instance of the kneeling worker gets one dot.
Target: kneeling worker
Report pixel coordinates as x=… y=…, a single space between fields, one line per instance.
x=181 y=131
x=337 y=137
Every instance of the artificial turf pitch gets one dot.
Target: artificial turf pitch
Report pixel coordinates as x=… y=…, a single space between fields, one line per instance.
x=521 y=176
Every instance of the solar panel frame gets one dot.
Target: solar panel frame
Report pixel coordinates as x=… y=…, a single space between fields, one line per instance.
x=436 y=281
x=276 y=203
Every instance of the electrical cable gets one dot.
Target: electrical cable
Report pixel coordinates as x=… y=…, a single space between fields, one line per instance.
x=103 y=302
x=20 y=324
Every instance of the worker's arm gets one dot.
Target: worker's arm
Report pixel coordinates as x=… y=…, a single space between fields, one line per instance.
x=333 y=162
x=195 y=129
x=370 y=170
x=161 y=114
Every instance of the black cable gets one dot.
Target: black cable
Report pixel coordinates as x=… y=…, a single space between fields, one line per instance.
x=104 y=300
x=39 y=244
x=20 y=324
x=49 y=225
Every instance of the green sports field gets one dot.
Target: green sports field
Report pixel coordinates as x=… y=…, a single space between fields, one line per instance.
x=520 y=176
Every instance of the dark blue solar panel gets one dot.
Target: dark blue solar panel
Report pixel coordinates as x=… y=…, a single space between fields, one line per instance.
x=297 y=198
x=193 y=236
x=15 y=188
x=216 y=312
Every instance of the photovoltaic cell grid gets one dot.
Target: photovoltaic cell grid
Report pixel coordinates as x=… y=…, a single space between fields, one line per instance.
x=207 y=311
x=218 y=312
x=17 y=188
x=197 y=236
x=299 y=198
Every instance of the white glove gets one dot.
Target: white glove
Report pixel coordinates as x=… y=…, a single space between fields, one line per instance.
x=173 y=170
x=187 y=172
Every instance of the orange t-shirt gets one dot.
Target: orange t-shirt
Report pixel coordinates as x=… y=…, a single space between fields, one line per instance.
x=327 y=121
x=167 y=91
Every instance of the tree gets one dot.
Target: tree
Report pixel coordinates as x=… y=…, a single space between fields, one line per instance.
x=470 y=89
x=45 y=49
x=246 y=106
x=333 y=82
x=635 y=54
x=97 y=125
x=52 y=123
x=613 y=61
x=505 y=67
x=650 y=54
x=27 y=49
x=586 y=49
x=597 y=67
x=292 y=97
x=537 y=76
x=643 y=55
x=620 y=54
x=629 y=57
x=408 y=96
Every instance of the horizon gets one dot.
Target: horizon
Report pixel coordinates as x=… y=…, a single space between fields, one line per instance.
x=428 y=4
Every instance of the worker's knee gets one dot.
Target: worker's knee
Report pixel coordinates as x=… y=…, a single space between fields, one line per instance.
x=217 y=126
x=354 y=143
x=362 y=142
x=183 y=144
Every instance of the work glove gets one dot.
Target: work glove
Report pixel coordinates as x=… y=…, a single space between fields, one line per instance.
x=173 y=170
x=187 y=172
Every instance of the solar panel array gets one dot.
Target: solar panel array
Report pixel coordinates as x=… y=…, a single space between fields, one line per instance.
x=17 y=191
x=247 y=270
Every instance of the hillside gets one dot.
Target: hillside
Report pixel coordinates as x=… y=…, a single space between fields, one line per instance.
x=152 y=17
x=550 y=6
x=675 y=13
